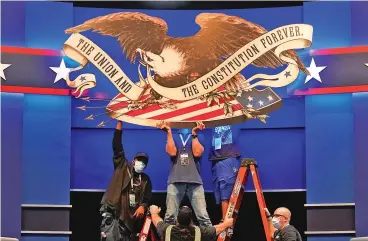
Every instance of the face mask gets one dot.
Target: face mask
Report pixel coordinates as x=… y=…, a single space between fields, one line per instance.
x=184 y=131
x=276 y=223
x=139 y=166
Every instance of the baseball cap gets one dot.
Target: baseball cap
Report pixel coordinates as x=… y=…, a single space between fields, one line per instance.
x=142 y=156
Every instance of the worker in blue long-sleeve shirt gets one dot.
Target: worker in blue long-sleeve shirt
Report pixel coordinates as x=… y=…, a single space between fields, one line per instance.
x=127 y=197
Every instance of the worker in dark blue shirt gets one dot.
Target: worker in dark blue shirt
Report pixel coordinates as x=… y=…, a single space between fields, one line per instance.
x=225 y=157
x=185 y=151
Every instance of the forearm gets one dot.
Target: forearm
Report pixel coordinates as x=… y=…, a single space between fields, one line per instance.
x=197 y=148
x=117 y=144
x=220 y=228
x=155 y=218
x=271 y=227
x=170 y=145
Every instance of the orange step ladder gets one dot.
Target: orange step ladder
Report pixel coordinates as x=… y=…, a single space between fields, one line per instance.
x=147 y=230
x=247 y=165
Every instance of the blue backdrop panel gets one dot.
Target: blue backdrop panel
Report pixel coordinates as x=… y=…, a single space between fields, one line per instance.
x=44 y=238
x=46 y=23
x=358 y=16
x=329 y=149
x=13 y=23
x=331 y=23
x=46 y=149
x=92 y=157
x=11 y=157
x=329 y=238
x=360 y=108
x=272 y=149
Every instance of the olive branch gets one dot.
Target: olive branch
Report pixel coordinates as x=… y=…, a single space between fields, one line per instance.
x=138 y=105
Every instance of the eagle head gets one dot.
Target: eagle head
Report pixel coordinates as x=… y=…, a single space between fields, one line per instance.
x=170 y=62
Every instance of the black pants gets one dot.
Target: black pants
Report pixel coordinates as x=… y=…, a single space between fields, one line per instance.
x=115 y=230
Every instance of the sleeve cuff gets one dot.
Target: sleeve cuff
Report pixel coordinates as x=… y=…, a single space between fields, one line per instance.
x=145 y=205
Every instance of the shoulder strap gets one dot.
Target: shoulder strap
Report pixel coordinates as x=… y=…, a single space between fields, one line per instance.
x=197 y=236
x=168 y=233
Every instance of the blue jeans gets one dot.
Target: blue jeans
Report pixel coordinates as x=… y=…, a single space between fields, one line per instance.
x=195 y=193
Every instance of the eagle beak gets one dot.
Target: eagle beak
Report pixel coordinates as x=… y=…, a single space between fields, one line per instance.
x=143 y=56
x=141 y=53
x=142 y=63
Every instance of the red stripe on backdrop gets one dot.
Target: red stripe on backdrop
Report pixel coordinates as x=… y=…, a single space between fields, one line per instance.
x=333 y=90
x=53 y=52
x=30 y=51
x=346 y=50
x=34 y=90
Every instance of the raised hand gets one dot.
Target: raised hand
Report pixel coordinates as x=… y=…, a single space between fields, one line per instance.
x=163 y=125
x=200 y=126
x=118 y=125
x=229 y=222
x=139 y=213
x=154 y=209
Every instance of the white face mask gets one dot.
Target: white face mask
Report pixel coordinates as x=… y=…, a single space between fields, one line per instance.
x=139 y=166
x=276 y=222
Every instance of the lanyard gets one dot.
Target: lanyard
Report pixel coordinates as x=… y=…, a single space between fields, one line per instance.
x=184 y=142
x=132 y=184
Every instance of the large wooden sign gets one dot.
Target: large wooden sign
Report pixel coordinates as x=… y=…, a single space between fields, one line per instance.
x=194 y=78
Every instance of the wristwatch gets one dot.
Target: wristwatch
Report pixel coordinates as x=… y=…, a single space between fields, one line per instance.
x=194 y=136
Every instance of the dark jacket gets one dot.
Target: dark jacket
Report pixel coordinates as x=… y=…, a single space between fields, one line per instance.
x=116 y=198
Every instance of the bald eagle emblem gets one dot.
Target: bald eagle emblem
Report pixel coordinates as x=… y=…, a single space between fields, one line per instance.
x=174 y=62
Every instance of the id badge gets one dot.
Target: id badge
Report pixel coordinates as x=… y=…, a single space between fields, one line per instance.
x=184 y=159
x=218 y=143
x=132 y=200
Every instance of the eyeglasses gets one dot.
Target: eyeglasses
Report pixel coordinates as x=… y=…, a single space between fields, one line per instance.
x=279 y=215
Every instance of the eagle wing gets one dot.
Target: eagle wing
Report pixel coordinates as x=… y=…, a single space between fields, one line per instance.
x=133 y=30
x=222 y=35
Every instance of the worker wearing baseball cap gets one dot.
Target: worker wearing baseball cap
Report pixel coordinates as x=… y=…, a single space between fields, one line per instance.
x=128 y=195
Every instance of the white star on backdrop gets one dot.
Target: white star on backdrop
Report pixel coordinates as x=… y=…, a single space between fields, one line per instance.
x=61 y=72
x=314 y=72
x=2 y=68
x=260 y=103
x=250 y=98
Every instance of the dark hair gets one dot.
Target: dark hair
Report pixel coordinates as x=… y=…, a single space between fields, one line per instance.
x=185 y=216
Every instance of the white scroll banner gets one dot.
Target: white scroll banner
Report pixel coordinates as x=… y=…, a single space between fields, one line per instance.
x=289 y=37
